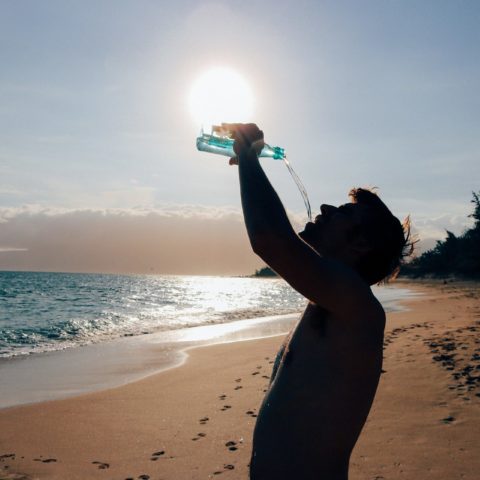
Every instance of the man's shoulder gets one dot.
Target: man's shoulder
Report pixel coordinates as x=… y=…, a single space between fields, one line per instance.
x=369 y=306
x=377 y=313
x=363 y=302
x=357 y=295
x=361 y=309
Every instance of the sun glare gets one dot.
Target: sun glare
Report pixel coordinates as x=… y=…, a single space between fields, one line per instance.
x=220 y=95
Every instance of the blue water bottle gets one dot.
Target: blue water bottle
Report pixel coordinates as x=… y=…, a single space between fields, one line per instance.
x=220 y=142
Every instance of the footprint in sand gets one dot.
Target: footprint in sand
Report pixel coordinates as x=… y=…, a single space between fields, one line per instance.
x=101 y=465
x=226 y=467
x=238 y=380
x=226 y=407
x=231 y=445
x=8 y=455
x=222 y=396
x=44 y=460
x=204 y=420
x=156 y=455
x=448 y=420
x=238 y=388
x=199 y=436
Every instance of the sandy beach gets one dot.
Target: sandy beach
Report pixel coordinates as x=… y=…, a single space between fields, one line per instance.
x=196 y=421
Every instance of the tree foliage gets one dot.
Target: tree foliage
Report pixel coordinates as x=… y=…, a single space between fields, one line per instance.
x=265 y=272
x=458 y=256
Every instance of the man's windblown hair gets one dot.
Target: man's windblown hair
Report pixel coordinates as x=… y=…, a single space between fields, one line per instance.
x=390 y=240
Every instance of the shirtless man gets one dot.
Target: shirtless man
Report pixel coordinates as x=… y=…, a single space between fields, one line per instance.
x=326 y=375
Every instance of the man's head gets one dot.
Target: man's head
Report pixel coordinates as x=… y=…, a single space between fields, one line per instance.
x=363 y=234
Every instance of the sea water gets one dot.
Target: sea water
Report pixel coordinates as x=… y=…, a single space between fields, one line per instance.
x=52 y=311
x=64 y=334
x=41 y=312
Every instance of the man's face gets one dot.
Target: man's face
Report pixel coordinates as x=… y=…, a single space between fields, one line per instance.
x=335 y=230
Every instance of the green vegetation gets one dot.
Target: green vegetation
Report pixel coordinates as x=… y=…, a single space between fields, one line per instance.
x=265 y=272
x=454 y=256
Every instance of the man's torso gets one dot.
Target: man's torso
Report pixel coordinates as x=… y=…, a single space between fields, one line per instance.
x=319 y=400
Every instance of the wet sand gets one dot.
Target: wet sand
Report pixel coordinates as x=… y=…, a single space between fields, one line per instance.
x=196 y=421
x=75 y=371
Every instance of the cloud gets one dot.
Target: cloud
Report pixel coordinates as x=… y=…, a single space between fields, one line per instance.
x=430 y=230
x=172 y=239
x=431 y=220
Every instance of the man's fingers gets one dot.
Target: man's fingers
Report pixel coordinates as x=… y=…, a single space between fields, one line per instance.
x=246 y=137
x=231 y=126
x=233 y=161
x=243 y=130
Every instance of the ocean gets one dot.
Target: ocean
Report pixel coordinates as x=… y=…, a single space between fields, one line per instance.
x=42 y=312
x=51 y=311
x=62 y=334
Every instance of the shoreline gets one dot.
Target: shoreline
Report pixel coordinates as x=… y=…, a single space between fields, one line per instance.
x=59 y=374
x=180 y=424
x=67 y=373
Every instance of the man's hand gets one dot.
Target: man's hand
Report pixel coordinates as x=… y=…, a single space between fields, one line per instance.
x=247 y=137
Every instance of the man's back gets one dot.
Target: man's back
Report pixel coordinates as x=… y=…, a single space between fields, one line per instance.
x=320 y=398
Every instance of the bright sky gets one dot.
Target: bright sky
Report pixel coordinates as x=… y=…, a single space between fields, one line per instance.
x=95 y=115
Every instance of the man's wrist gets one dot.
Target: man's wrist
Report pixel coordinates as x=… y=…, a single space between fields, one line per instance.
x=248 y=153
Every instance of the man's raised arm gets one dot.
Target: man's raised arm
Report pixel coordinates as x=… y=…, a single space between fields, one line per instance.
x=265 y=216
x=323 y=281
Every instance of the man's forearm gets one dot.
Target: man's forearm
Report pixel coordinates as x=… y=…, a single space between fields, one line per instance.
x=264 y=214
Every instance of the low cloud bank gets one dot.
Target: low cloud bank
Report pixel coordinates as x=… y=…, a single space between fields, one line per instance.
x=187 y=240
x=430 y=230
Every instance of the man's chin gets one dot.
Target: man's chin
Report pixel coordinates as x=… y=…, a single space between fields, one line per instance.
x=305 y=234
x=308 y=238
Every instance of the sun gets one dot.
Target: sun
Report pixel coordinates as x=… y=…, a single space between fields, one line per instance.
x=220 y=95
